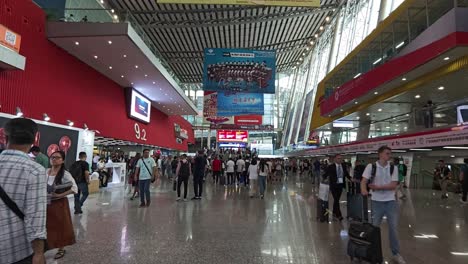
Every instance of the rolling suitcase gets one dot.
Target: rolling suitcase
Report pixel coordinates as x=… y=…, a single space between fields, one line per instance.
x=365 y=241
x=356 y=204
x=322 y=210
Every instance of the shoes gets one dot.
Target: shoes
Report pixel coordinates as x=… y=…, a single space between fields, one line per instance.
x=398 y=259
x=444 y=196
x=185 y=200
x=195 y=198
x=178 y=199
x=78 y=212
x=261 y=196
x=148 y=204
x=142 y=205
x=340 y=218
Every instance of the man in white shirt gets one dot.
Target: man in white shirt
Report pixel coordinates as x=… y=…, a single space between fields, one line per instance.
x=240 y=169
x=230 y=171
x=383 y=183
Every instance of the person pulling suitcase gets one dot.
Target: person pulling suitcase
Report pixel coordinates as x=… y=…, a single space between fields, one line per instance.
x=383 y=184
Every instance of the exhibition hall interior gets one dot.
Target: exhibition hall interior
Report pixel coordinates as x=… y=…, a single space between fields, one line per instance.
x=233 y=131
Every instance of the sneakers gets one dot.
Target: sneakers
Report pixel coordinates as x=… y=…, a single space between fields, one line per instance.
x=185 y=200
x=142 y=205
x=194 y=198
x=178 y=199
x=445 y=196
x=398 y=259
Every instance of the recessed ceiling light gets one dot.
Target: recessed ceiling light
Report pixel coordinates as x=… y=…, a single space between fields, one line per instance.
x=95 y=56
x=397 y=125
x=112 y=10
x=380 y=110
x=367 y=114
x=122 y=76
x=358 y=118
x=417 y=96
x=307 y=48
x=110 y=67
x=116 y=17
x=321 y=28
x=407 y=114
x=341 y=110
x=312 y=43
x=378 y=129
x=403 y=79
x=77 y=43
x=387 y=127
x=405 y=128
x=447 y=58
x=136 y=66
x=327 y=18
x=356 y=102
x=125 y=56
x=160 y=89
x=110 y=42
x=131 y=83
x=166 y=94
x=146 y=75
x=316 y=35
x=164 y=106
x=441 y=88
x=154 y=82
x=376 y=93
x=452 y=156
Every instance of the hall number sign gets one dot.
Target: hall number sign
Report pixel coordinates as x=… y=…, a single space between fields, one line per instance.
x=140 y=133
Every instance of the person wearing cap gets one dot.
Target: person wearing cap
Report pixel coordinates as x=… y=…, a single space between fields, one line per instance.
x=23 y=191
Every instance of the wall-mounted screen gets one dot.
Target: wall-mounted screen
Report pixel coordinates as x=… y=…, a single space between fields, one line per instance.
x=140 y=106
x=233 y=136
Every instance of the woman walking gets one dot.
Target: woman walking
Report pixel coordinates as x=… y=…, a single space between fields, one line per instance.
x=262 y=176
x=253 y=177
x=134 y=176
x=60 y=183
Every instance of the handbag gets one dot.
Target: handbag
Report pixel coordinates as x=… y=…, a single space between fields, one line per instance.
x=324 y=191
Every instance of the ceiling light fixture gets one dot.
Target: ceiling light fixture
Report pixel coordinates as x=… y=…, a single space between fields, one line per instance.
x=356 y=102
x=376 y=93
x=154 y=82
x=316 y=35
x=321 y=28
x=357 y=75
x=452 y=156
x=112 y=11
x=405 y=128
x=307 y=48
x=95 y=56
x=116 y=17
x=358 y=118
x=125 y=56
x=400 y=45
x=136 y=66
x=441 y=88
x=377 y=61
x=380 y=110
x=417 y=96
x=110 y=42
x=146 y=75
x=312 y=42
x=421 y=149
x=19 y=113
x=367 y=114
x=327 y=19
x=122 y=76
x=70 y=123
x=446 y=58
x=455 y=147
x=110 y=67
x=77 y=43
x=403 y=79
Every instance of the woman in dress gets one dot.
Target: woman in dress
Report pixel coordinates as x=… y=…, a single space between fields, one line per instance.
x=59 y=223
x=253 y=177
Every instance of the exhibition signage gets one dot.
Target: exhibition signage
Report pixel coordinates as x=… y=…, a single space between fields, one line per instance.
x=448 y=137
x=307 y=3
x=232 y=136
x=232 y=104
x=244 y=127
x=9 y=39
x=140 y=107
x=239 y=70
x=248 y=120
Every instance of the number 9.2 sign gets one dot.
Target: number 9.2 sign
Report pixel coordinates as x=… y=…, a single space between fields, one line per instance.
x=140 y=133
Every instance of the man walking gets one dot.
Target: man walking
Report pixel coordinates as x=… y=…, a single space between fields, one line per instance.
x=40 y=157
x=336 y=173
x=240 y=166
x=217 y=167
x=148 y=169
x=80 y=172
x=198 y=175
x=23 y=191
x=464 y=181
x=383 y=183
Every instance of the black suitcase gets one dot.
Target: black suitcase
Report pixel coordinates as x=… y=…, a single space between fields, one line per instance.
x=322 y=210
x=365 y=242
x=356 y=204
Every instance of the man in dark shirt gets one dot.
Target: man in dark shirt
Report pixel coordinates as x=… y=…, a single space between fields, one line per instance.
x=82 y=181
x=198 y=174
x=358 y=170
x=464 y=181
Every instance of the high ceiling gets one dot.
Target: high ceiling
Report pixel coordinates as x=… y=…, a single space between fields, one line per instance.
x=180 y=32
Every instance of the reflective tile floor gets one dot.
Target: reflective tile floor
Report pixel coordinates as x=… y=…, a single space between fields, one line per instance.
x=229 y=227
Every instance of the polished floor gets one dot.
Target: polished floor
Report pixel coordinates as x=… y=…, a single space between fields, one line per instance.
x=229 y=227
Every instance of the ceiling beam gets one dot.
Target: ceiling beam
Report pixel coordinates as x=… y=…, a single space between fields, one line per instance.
x=237 y=20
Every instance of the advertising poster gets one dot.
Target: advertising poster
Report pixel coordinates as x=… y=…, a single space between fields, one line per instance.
x=305 y=116
x=307 y=3
x=210 y=104
x=239 y=70
x=232 y=136
x=232 y=104
x=140 y=107
x=51 y=139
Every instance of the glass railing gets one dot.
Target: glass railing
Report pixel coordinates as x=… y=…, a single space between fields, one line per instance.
x=392 y=41
x=97 y=15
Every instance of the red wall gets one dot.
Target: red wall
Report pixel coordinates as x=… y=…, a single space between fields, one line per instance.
x=56 y=83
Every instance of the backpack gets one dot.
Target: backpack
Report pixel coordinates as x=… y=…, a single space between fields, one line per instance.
x=374 y=171
x=76 y=170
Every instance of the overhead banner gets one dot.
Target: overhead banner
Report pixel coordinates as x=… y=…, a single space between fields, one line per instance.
x=233 y=104
x=307 y=3
x=210 y=104
x=250 y=120
x=239 y=70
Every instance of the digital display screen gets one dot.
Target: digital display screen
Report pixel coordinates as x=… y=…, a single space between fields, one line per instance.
x=233 y=136
x=462 y=114
x=140 y=107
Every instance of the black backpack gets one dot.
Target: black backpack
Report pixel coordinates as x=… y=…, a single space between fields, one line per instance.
x=374 y=171
x=76 y=170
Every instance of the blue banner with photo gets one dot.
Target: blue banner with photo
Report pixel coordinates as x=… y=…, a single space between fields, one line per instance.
x=232 y=104
x=239 y=70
